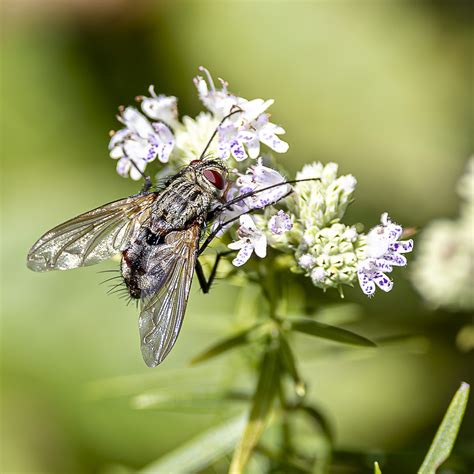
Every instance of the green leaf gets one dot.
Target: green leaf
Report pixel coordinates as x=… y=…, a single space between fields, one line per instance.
x=260 y=412
x=377 y=468
x=225 y=345
x=201 y=451
x=443 y=442
x=193 y=401
x=325 y=331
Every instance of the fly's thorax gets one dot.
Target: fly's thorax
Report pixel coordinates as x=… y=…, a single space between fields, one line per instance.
x=190 y=194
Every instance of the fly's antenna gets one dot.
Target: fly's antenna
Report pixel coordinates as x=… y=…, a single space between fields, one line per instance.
x=234 y=110
x=261 y=190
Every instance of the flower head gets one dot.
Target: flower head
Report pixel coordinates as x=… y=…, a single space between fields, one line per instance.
x=384 y=251
x=257 y=178
x=251 y=240
x=160 y=107
x=139 y=142
x=330 y=257
x=444 y=267
x=322 y=202
x=241 y=134
x=280 y=223
x=218 y=101
x=193 y=135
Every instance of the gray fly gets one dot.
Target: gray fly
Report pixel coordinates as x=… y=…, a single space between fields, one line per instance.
x=158 y=235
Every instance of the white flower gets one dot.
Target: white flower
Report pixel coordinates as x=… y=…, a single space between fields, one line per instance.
x=245 y=129
x=192 y=137
x=160 y=107
x=262 y=130
x=230 y=142
x=306 y=261
x=259 y=177
x=444 y=268
x=240 y=134
x=140 y=141
x=323 y=202
x=280 y=223
x=251 y=240
x=383 y=251
x=330 y=256
x=218 y=101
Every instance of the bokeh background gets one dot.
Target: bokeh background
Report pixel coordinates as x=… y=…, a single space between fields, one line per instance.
x=384 y=88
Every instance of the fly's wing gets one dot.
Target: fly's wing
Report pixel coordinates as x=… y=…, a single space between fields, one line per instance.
x=91 y=237
x=169 y=270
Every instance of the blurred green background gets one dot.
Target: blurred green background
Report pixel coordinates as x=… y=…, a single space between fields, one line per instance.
x=384 y=88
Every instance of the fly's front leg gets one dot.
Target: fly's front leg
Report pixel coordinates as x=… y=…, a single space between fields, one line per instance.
x=206 y=283
x=147 y=184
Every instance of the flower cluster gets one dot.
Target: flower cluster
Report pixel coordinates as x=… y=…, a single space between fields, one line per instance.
x=384 y=250
x=157 y=132
x=444 y=269
x=307 y=225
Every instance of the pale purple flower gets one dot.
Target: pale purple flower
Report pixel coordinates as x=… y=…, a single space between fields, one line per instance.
x=141 y=141
x=259 y=177
x=384 y=250
x=218 y=101
x=280 y=223
x=263 y=131
x=251 y=240
x=160 y=107
x=245 y=129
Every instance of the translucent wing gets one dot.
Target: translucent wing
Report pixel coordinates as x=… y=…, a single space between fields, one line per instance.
x=169 y=270
x=91 y=237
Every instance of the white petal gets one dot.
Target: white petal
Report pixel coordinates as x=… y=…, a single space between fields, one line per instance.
x=238 y=244
x=383 y=281
x=403 y=246
x=116 y=152
x=136 y=150
x=243 y=255
x=238 y=150
x=247 y=222
x=123 y=167
x=260 y=246
x=396 y=259
x=137 y=122
x=134 y=173
x=366 y=284
x=273 y=142
x=253 y=147
x=118 y=137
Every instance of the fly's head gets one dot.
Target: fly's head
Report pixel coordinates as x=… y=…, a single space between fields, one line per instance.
x=210 y=175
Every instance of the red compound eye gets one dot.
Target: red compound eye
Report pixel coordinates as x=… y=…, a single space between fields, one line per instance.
x=214 y=177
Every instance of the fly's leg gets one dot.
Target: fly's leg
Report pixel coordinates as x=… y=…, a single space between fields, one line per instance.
x=147 y=184
x=213 y=234
x=206 y=283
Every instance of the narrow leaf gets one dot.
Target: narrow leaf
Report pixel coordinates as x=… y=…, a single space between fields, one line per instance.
x=377 y=468
x=260 y=412
x=443 y=442
x=201 y=451
x=325 y=331
x=224 y=345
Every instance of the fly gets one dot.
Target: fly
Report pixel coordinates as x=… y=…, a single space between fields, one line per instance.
x=158 y=235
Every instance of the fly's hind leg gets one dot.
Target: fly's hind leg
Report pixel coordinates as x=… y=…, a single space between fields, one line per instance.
x=206 y=283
